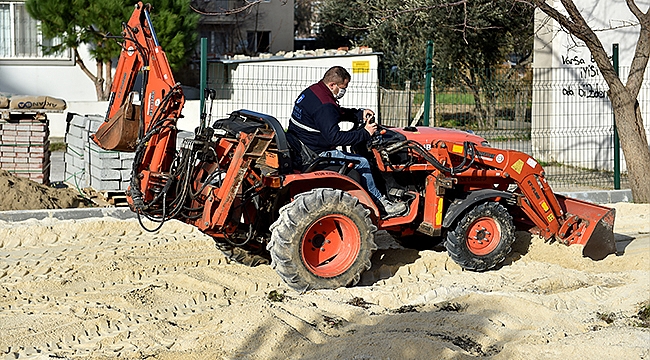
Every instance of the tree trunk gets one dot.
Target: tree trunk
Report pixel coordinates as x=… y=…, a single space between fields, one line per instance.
x=97 y=80
x=480 y=111
x=629 y=123
x=108 y=84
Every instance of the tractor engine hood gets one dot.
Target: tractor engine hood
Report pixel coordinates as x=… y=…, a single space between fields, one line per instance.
x=429 y=135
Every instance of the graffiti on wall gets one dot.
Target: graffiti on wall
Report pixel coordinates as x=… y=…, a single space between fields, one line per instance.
x=587 y=76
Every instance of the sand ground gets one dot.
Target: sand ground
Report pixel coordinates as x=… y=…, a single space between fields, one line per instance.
x=108 y=289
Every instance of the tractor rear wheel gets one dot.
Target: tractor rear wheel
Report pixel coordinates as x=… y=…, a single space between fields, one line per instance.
x=324 y=239
x=482 y=237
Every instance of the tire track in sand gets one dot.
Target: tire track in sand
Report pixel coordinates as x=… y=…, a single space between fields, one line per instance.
x=70 y=288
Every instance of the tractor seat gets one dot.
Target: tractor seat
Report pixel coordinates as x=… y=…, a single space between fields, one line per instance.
x=305 y=160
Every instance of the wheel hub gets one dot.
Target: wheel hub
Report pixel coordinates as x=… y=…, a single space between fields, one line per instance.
x=330 y=245
x=317 y=241
x=483 y=236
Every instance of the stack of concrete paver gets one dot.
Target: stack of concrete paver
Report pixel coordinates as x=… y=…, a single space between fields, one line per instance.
x=24 y=148
x=86 y=164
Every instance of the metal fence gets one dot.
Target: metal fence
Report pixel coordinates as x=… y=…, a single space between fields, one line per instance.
x=562 y=117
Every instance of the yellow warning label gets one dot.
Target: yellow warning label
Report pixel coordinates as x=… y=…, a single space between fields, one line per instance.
x=517 y=166
x=360 y=67
x=439 y=212
x=544 y=206
x=550 y=217
x=457 y=149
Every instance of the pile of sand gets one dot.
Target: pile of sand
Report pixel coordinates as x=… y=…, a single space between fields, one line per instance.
x=104 y=289
x=24 y=194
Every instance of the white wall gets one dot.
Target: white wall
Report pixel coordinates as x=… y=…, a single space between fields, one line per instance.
x=570 y=94
x=269 y=87
x=272 y=86
x=61 y=79
x=58 y=124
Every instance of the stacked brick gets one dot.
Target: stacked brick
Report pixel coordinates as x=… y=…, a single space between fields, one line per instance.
x=88 y=165
x=24 y=148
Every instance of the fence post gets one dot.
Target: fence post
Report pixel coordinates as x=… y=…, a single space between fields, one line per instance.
x=427 y=89
x=203 y=80
x=617 y=145
x=407 y=88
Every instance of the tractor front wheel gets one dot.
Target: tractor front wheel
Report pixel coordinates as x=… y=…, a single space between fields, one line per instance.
x=482 y=237
x=324 y=239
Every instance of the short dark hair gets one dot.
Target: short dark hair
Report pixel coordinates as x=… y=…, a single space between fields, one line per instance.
x=336 y=74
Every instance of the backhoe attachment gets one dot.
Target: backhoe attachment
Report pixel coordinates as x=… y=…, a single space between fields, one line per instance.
x=120 y=132
x=129 y=119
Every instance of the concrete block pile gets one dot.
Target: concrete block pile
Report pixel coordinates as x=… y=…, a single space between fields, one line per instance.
x=88 y=165
x=24 y=148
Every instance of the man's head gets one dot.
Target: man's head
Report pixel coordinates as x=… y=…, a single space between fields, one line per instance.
x=337 y=79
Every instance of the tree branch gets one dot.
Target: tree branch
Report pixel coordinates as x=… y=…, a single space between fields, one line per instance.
x=395 y=14
x=640 y=60
x=553 y=13
x=644 y=19
x=240 y=9
x=428 y=7
x=83 y=67
x=625 y=25
x=577 y=26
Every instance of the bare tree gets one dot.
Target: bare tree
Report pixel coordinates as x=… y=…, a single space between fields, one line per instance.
x=304 y=17
x=629 y=120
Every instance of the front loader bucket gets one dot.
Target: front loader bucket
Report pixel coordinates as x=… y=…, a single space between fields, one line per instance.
x=590 y=225
x=120 y=133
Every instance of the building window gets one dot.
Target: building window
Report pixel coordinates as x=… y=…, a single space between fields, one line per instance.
x=20 y=36
x=258 y=41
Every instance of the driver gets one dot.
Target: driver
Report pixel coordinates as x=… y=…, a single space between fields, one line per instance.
x=315 y=121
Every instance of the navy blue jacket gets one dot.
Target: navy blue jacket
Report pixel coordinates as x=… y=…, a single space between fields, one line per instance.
x=315 y=120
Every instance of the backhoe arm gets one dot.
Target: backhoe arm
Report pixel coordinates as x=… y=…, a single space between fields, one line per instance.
x=160 y=96
x=148 y=127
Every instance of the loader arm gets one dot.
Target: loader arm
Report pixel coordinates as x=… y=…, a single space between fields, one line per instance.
x=569 y=221
x=474 y=168
x=148 y=127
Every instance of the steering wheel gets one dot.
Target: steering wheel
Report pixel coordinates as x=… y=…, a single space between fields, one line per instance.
x=377 y=138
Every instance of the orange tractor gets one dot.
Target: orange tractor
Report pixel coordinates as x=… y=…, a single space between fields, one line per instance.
x=238 y=181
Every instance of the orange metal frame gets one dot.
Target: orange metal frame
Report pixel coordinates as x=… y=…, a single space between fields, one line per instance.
x=497 y=169
x=162 y=100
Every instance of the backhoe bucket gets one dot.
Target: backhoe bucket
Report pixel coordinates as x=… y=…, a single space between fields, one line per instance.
x=590 y=225
x=120 y=133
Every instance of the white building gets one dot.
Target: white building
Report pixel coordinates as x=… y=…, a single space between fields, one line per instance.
x=25 y=70
x=570 y=94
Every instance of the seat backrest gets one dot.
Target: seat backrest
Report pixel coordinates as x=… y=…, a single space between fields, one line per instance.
x=284 y=155
x=301 y=155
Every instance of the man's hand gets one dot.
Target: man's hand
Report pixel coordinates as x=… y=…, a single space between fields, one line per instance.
x=367 y=113
x=371 y=124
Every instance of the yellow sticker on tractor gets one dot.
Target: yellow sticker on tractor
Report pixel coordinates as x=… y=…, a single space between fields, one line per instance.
x=517 y=166
x=550 y=217
x=544 y=206
x=458 y=149
x=439 y=212
x=360 y=67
